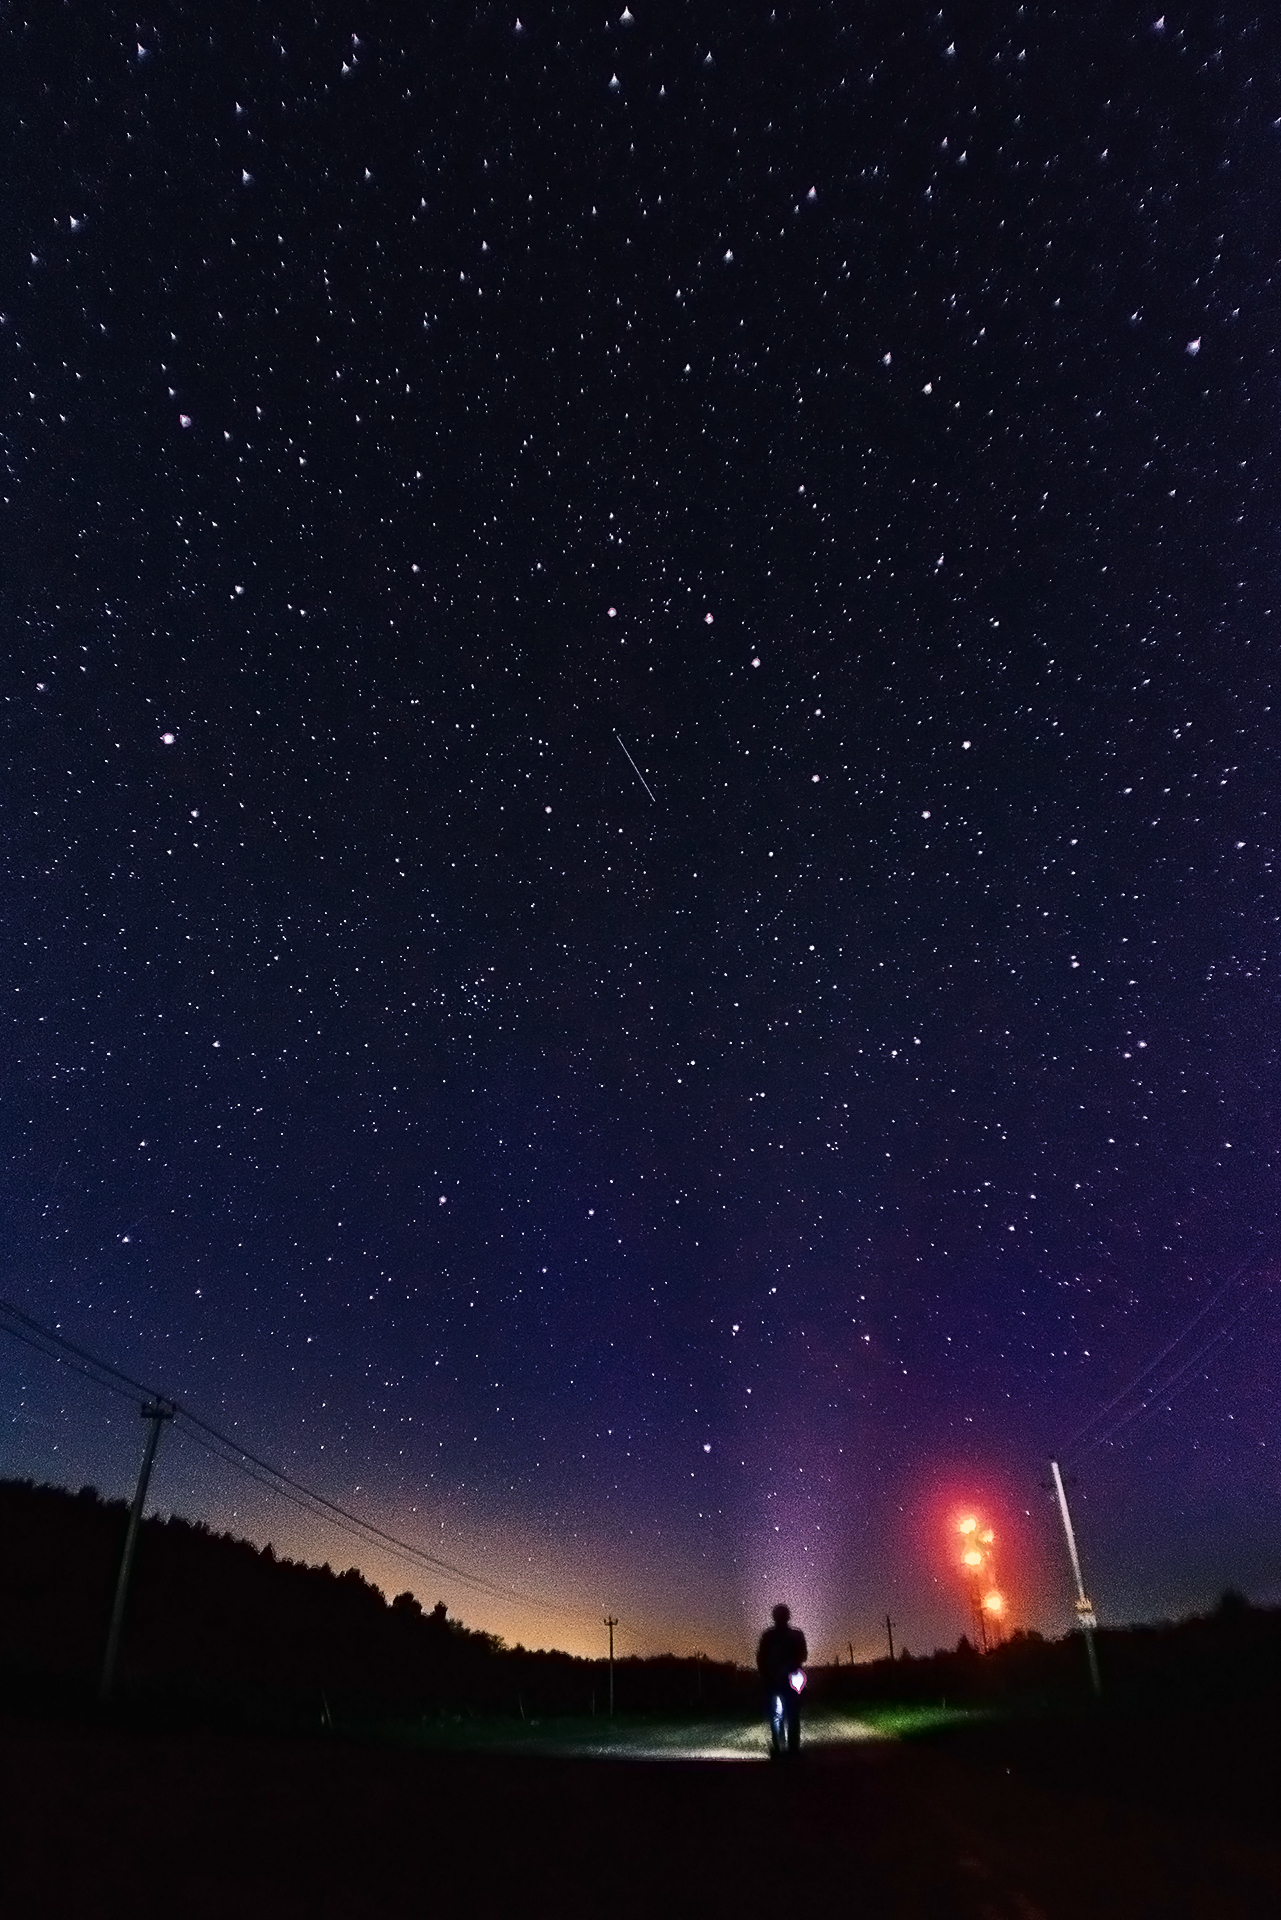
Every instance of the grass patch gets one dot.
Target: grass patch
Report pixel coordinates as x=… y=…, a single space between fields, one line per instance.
x=909 y=1723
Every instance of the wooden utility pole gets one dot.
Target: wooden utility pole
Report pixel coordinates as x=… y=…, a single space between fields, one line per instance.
x=889 y=1628
x=611 y=1623
x=157 y=1412
x=1085 y=1615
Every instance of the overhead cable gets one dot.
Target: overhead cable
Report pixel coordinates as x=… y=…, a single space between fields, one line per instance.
x=55 y=1345
x=1154 y=1385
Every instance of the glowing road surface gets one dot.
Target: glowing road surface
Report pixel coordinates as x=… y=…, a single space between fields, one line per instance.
x=716 y=1740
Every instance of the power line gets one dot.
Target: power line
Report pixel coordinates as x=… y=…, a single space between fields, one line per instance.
x=1170 y=1386
x=1086 y=1438
x=1144 y=1371
x=233 y=1454
x=55 y=1345
x=369 y=1530
x=304 y=1501
x=63 y=1343
x=126 y=1393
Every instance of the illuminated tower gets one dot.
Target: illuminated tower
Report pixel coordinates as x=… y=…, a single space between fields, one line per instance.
x=978 y=1559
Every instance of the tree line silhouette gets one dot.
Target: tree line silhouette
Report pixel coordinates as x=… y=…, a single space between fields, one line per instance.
x=228 y=1627
x=219 y=1621
x=1229 y=1655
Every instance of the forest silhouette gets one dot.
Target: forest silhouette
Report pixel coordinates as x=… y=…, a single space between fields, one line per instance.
x=221 y=1621
x=219 y=1625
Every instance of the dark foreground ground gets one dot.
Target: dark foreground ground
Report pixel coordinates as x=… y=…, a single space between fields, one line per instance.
x=998 y=1823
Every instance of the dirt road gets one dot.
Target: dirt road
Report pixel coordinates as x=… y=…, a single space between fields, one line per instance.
x=97 y=1822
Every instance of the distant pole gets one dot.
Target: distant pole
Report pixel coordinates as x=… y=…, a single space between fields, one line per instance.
x=1085 y=1615
x=889 y=1628
x=157 y=1412
x=611 y=1623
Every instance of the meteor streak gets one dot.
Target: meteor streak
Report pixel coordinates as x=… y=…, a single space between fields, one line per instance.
x=636 y=770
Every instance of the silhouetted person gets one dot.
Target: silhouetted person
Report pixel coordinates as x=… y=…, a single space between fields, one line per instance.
x=780 y=1661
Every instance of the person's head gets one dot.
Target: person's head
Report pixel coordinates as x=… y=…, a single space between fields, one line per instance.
x=782 y=1615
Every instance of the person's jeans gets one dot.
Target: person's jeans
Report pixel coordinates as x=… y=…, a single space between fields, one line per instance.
x=785 y=1721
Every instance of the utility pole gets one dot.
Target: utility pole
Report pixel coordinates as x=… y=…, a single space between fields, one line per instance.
x=889 y=1628
x=1085 y=1615
x=157 y=1412
x=611 y=1623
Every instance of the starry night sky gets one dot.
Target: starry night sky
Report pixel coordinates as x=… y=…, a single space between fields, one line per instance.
x=640 y=928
